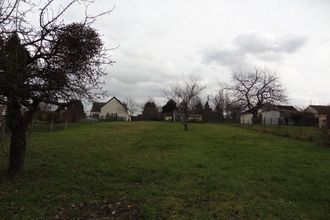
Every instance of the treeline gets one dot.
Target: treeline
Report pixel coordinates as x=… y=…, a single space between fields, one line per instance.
x=72 y=111
x=217 y=108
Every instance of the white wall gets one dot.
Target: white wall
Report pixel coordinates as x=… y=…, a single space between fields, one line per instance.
x=322 y=118
x=271 y=117
x=323 y=121
x=113 y=107
x=312 y=110
x=246 y=119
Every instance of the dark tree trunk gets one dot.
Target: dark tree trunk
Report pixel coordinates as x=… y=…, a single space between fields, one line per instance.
x=17 y=151
x=185 y=122
x=17 y=127
x=256 y=118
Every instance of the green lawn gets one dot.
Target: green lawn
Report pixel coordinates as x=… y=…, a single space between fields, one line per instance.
x=212 y=171
x=303 y=133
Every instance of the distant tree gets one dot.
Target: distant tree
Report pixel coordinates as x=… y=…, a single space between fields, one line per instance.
x=233 y=109
x=207 y=113
x=132 y=107
x=150 y=111
x=183 y=94
x=170 y=108
x=47 y=61
x=74 y=110
x=219 y=102
x=197 y=106
x=254 y=89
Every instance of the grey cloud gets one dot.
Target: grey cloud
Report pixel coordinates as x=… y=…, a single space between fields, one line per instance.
x=293 y=44
x=140 y=76
x=258 y=45
x=222 y=56
x=161 y=42
x=136 y=67
x=253 y=43
x=232 y=58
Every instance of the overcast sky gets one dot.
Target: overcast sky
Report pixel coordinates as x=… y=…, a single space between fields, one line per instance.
x=166 y=41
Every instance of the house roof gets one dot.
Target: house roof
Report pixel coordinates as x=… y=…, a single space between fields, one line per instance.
x=273 y=107
x=286 y=107
x=98 y=105
x=322 y=109
x=247 y=112
x=279 y=108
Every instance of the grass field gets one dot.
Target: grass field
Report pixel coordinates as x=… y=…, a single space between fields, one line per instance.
x=210 y=172
x=304 y=133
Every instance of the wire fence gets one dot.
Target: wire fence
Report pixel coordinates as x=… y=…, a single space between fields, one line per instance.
x=35 y=127
x=313 y=134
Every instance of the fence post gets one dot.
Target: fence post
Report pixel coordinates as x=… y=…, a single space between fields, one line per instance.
x=52 y=123
x=3 y=128
x=66 y=123
x=31 y=126
x=30 y=131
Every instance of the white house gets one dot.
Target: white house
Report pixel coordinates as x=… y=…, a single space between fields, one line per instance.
x=322 y=112
x=278 y=114
x=113 y=109
x=246 y=118
x=271 y=115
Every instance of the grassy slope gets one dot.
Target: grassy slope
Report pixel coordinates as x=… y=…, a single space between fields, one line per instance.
x=211 y=171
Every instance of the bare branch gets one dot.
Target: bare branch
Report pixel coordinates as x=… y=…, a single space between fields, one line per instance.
x=183 y=95
x=257 y=88
x=132 y=106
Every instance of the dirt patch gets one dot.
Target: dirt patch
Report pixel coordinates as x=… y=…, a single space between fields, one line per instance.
x=99 y=210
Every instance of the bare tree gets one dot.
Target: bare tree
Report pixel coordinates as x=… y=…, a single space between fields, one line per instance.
x=197 y=106
x=219 y=103
x=7 y=11
x=233 y=109
x=44 y=61
x=253 y=89
x=183 y=95
x=132 y=106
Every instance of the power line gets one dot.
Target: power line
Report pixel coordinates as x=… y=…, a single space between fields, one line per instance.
x=310 y=49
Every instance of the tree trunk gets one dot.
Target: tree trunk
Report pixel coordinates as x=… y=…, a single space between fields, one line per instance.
x=185 y=122
x=256 y=118
x=16 y=125
x=17 y=151
x=52 y=123
x=66 y=123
